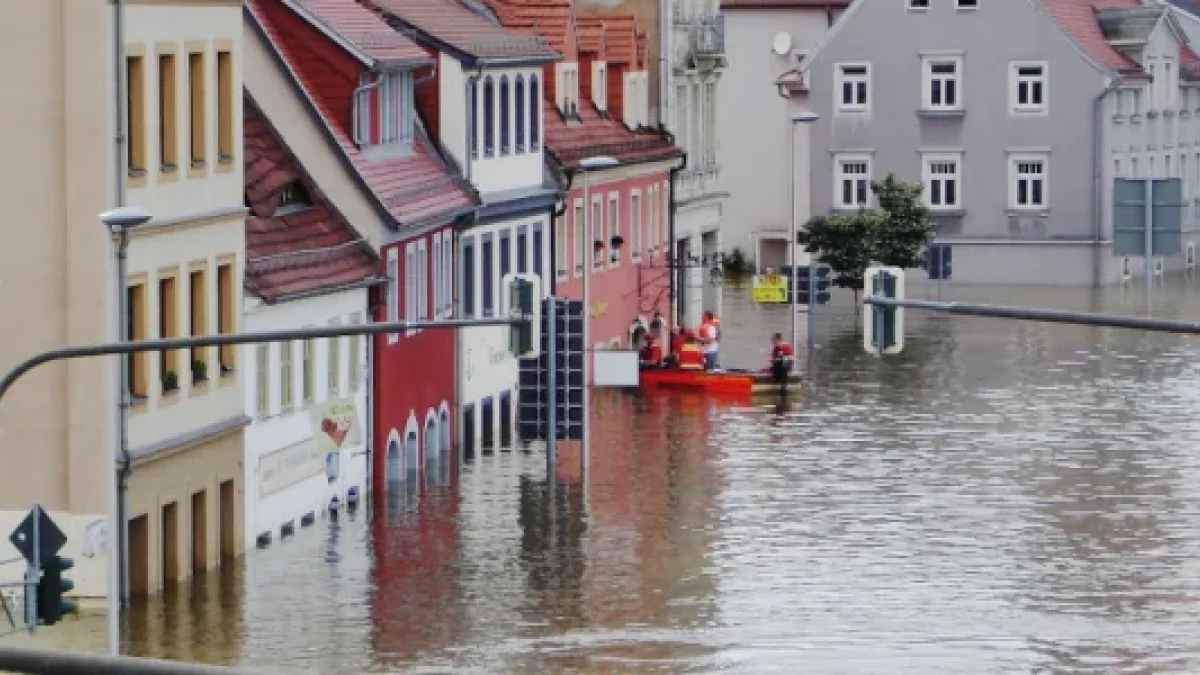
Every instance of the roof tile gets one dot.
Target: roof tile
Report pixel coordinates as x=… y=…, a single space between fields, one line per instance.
x=1078 y=19
x=364 y=30
x=466 y=31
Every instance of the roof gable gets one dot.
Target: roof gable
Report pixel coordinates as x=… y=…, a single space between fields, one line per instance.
x=360 y=32
x=464 y=33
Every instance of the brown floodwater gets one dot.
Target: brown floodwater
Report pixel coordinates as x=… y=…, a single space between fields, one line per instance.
x=1001 y=497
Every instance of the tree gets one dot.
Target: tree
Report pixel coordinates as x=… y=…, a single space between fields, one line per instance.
x=895 y=234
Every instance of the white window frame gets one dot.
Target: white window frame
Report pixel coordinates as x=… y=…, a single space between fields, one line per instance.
x=393 y=304
x=841 y=79
x=422 y=280
x=635 y=225
x=437 y=275
x=928 y=161
x=917 y=5
x=410 y=285
x=839 y=176
x=928 y=63
x=598 y=231
x=613 y=220
x=561 y=262
x=395 y=97
x=1014 y=89
x=966 y=5
x=448 y=273
x=652 y=219
x=581 y=247
x=1014 y=176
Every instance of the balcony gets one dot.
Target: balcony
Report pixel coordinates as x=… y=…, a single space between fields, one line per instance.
x=708 y=41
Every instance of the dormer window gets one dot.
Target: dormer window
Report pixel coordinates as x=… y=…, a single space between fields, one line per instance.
x=567 y=85
x=519 y=101
x=600 y=85
x=383 y=113
x=293 y=197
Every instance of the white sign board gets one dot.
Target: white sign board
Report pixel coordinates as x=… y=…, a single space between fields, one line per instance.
x=612 y=368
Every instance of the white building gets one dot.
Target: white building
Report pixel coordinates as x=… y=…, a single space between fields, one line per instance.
x=764 y=39
x=693 y=50
x=305 y=267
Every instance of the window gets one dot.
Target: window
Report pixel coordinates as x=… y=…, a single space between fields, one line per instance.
x=853 y=83
x=410 y=284
x=522 y=249
x=393 y=291
x=422 y=280
x=473 y=116
x=710 y=121
x=136 y=330
x=537 y=249
x=168 y=327
x=383 y=119
x=196 y=107
x=489 y=116
x=535 y=113
x=354 y=361
x=635 y=226
x=597 y=227
x=438 y=285
x=665 y=213
x=262 y=380
x=468 y=280
x=943 y=182
x=967 y=4
x=226 y=323
x=225 y=143
x=135 y=107
x=448 y=273
x=505 y=252
x=918 y=4
x=198 y=323
x=488 y=422
x=293 y=197
x=560 y=247
x=852 y=180
x=308 y=372
x=487 y=272
x=614 y=229
x=168 y=130
x=286 y=383
x=505 y=419
x=519 y=100
x=580 y=238
x=505 y=117
x=333 y=362
x=1028 y=181
x=1028 y=89
x=941 y=83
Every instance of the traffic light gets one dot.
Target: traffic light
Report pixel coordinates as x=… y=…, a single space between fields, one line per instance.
x=520 y=301
x=565 y=321
x=883 y=327
x=801 y=283
x=936 y=260
x=51 y=590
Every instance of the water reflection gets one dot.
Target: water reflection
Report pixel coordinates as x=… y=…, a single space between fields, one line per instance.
x=1001 y=497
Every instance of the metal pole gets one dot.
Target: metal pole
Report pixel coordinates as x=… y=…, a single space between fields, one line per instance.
x=118 y=596
x=812 y=305
x=1148 y=214
x=794 y=277
x=1046 y=315
x=589 y=238
x=552 y=387
x=35 y=571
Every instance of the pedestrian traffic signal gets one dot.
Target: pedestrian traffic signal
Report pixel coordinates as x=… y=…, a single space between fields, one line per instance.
x=51 y=591
x=883 y=327
x=521 y=301
x=803 y=278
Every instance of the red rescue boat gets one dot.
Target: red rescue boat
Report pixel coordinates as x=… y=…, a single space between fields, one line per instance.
x=721 y=382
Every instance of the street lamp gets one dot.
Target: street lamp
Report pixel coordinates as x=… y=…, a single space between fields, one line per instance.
x=119 y=222
x=801 y=117
x=594 y=163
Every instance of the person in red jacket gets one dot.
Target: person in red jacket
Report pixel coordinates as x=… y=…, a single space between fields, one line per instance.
x=783 y=358
x=651 y=355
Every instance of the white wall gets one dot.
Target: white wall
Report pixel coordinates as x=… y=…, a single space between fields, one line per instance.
x=280 y=430
x=515 y=170
x=452 y=113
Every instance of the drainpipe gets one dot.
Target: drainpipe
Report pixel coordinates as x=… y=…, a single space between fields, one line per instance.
x=671 y=233
x=355 y=134
x=369 y=441
x=1098 y=176
x=118 y=586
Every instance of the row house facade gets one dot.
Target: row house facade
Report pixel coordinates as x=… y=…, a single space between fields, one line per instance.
x=596 y=104
x=339 y=87
x=759 y=146
x=305 y=267
x=481 y=104
x=1017 y=142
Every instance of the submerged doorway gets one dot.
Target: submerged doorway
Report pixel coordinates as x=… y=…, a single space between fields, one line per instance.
x=170 y=543
x=139 y=555
x=200 y=531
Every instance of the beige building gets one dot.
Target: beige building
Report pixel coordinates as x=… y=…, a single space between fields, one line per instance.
x=184 y=273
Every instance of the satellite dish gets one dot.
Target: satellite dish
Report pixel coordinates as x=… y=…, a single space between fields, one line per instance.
x=781 y=43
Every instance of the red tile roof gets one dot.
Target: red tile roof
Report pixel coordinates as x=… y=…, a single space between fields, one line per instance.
x=413 y=189
x=595 y=135
x=300 y=251
x=361 y=29
x=784 y=4
x=549 y=19
x=615 y=38
x=1078 y=19
x=464 y=32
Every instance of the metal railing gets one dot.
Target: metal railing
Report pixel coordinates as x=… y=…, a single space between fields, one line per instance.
x=58 y=662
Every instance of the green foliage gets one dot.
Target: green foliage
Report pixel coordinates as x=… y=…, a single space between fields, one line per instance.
x=894 y=235
x=735 y=263
x=170 y=381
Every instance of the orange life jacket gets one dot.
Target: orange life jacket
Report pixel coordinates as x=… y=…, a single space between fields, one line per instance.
x=691 y=357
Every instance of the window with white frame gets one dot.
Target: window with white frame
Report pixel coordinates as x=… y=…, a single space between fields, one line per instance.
x=1028 y=88
x=942 y=77
x=853 y=87
x=664 y=214
x=383 y=113
x=422 y=281
x=560 y=247
x=1027 y=180
x=597 y=233
x=437 y=274
x=652 y=218
x=851 y=181
x=967 y=4
x=943 y=181
x=580 y=237
x=635 y=226
x=393 y=290
x=614 y=229
x=918 y=4
x=410 y=284
x=448 y=273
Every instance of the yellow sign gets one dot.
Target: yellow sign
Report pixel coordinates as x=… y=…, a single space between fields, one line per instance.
x=769 y=288
x=598 y=309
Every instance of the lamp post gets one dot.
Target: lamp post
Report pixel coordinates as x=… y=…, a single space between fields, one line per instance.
x=119 y=222
x=802 y=117
x=594 y=163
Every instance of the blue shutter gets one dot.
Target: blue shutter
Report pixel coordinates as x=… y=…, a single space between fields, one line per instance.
x=487 y=272
x=468 y=268
x=537 y=249
x=522 y=249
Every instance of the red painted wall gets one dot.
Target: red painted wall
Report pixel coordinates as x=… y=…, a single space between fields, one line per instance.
x=619 y=294
x=414 y=374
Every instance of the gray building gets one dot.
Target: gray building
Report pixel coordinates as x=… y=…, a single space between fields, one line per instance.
x=1016 y=115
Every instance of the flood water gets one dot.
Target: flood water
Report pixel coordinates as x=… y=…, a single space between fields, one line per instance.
x=1001 y=497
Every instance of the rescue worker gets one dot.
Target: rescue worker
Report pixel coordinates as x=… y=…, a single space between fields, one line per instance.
x=690 y=355
x=651 y=355
x=710 y=338
x=783 y=358
x=676 y=344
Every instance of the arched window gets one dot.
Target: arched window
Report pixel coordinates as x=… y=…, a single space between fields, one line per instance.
x=535 y=113
x=519 y=97
x=489 y=117
x=393 y=461
x=443 y=469
x=433 y=449
x=411 y=463
x=505 y=117
x=473 y=116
